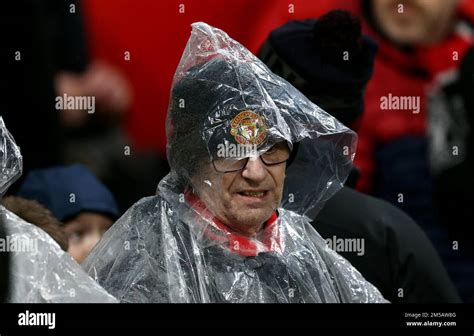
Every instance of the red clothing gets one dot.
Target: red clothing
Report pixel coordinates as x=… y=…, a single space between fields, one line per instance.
x=155 y=34
x=268 y=240
x=401 y=74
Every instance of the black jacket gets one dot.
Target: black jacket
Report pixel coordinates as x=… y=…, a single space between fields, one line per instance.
x=399 y=259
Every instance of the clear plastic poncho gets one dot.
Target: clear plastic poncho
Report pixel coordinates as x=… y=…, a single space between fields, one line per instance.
x=181 y=245
x=40 y=271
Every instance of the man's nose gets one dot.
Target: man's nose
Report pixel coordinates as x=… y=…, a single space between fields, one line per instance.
x=255 y=169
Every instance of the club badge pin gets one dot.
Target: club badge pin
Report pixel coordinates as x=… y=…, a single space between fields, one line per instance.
x=248 y=128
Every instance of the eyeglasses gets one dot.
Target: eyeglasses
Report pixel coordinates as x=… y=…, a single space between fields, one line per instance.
x=277 y=154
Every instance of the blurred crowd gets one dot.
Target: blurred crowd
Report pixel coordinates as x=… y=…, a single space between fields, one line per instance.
x=404 y=83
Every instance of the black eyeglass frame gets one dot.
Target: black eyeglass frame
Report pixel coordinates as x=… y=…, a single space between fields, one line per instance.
x=246 y=162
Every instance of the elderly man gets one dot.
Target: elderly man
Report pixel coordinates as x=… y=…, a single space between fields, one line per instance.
x=249 y=157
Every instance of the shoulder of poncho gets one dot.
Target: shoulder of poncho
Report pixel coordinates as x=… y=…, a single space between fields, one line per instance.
x=17 y=226
x=293 y=219
x=284 y=213
x=148 y=203
x=145 y=208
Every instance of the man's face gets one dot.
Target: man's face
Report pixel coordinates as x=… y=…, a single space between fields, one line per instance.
x=84 y=232
x=245 y=199
x=415 y=21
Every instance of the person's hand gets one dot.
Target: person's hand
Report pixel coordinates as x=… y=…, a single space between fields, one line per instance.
x=109 y=87
x=70 y=84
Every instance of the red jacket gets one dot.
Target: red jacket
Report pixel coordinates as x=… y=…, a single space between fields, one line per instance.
x=400 y=74
x=155 y=33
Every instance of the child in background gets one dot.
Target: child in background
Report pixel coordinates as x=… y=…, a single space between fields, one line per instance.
x=78 y=199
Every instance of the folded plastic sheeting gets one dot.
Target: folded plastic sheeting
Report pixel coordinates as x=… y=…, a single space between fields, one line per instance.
x=185 y=244
x=11 y=163
x=40 y=271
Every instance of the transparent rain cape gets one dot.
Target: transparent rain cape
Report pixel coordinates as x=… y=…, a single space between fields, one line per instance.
x=40 y=271
x=171 y=248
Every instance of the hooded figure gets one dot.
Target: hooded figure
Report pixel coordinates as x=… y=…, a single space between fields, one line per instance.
x=226 y=224
x=40 y=271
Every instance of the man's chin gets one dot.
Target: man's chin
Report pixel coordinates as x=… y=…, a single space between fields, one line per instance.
x=405 y=35
x=251 y=217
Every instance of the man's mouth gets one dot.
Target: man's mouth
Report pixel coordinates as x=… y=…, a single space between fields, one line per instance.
x=253 y=193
